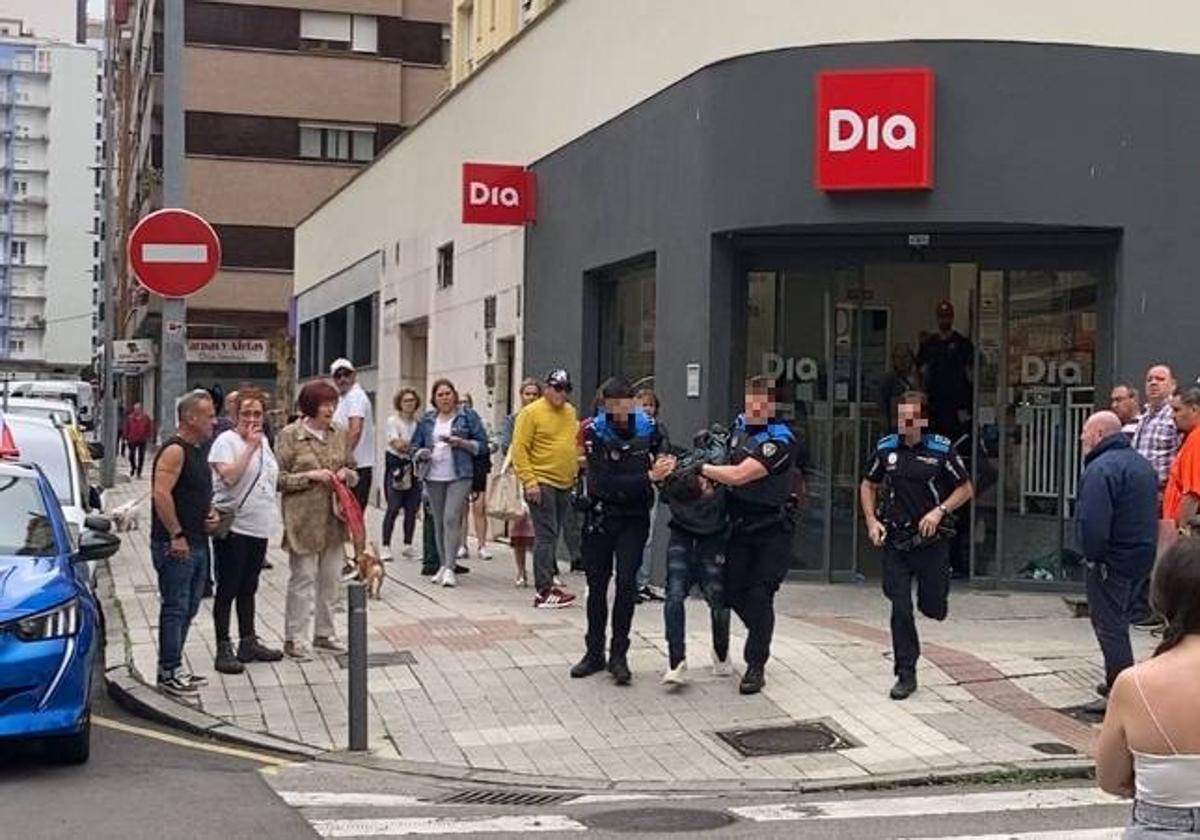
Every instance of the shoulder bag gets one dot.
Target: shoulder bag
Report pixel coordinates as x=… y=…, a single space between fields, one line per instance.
x=226 y=514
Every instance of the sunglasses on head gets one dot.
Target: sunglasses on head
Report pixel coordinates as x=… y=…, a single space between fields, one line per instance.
x=566 y=389
x=343 y=374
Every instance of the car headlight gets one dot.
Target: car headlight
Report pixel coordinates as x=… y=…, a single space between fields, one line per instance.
x=58 y=623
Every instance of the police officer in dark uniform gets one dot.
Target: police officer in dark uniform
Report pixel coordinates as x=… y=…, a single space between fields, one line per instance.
x=623 y=449
x=923 y=481
x=761 y=503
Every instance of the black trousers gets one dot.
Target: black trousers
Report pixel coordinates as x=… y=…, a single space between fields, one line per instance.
x=930 y=566
x=239 y=564
x=362 y=490
x=617 y=543
x=408 y=501
x=1109 y=598
x=755 y=564
x=137 y=457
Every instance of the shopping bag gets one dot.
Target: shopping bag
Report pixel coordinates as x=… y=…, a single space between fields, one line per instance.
x=506 y=496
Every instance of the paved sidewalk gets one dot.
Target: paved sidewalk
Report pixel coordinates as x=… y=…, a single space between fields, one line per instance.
x=489 y=687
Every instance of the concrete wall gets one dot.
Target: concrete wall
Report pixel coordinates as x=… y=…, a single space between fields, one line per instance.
x=1026 y=134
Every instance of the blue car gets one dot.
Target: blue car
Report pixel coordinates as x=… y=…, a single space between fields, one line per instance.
x=50 y=623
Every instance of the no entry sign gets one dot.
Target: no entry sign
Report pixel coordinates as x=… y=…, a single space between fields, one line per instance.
x=174 y=253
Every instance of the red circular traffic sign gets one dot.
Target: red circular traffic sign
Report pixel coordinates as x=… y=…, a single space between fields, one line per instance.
x=173 y=252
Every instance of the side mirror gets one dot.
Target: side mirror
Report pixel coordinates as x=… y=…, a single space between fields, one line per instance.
x=96 y=450
x=95 y=502
x=101 y=524
x=96 y=545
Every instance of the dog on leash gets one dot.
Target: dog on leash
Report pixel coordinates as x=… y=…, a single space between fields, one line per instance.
x=127 y=517
x=365 y=566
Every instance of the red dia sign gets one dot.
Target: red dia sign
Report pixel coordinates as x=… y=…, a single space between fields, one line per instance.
x=498 y=194
x=874 y=129
x=174 y=253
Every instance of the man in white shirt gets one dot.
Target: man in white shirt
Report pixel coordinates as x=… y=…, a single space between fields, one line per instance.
x=354 y=414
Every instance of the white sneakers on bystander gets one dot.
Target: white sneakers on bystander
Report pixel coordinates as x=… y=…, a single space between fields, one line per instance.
x=721 y=667
x=676 y=675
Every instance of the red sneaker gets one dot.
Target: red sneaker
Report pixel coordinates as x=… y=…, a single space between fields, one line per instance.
x=553 y=598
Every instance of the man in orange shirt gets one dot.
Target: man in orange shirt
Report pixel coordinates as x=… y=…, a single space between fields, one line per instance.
x=1181 y=496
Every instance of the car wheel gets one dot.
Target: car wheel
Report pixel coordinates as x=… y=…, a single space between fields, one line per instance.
x=72 y=749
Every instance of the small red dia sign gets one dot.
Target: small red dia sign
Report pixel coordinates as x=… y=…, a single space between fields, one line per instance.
x=874 y=129
x=498 y=194
x=173 y=252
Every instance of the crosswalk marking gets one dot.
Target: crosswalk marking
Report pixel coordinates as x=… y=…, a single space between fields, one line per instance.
x=442 y=825
x=328 y=799
x=918 y=806
x=1074 y=834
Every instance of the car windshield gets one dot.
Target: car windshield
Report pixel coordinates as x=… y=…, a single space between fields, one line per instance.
x=62 y=415
x=24 y=525
x=47 y=447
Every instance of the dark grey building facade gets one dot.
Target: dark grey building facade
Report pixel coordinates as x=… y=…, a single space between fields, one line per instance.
x=685 y=244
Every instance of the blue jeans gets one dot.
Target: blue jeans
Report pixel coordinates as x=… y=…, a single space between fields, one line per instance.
x=693 y=560
x=180 y=588
x=1156 y=822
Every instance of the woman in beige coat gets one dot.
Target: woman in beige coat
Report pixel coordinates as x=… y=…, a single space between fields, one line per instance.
x=310 y=452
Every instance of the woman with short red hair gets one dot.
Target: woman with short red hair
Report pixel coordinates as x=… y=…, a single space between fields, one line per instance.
x=311 y=451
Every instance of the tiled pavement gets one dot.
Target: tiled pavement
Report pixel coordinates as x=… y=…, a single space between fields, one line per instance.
x=490 y=689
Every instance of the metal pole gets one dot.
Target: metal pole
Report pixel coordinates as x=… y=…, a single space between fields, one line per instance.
x=356 y=634
x=108 y=422
x=173 y=341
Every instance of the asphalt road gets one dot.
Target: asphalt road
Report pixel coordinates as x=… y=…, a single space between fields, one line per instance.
x=136 y=786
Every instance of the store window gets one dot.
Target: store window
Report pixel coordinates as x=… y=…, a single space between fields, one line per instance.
x=627 y=321
x=337 y=142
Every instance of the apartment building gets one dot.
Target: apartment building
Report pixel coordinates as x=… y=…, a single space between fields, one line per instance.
x=49 y=20
x=49 y=198
x=285 y=101
x=481 y=27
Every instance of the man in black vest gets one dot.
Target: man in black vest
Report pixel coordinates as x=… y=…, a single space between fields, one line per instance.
x=183 y=517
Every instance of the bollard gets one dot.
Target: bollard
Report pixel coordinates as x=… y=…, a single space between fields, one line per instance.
x=356 y=620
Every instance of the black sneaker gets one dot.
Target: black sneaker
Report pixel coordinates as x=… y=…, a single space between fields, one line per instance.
x=619 y=668
x=1097 y=708
x=1102 y=689
x=905 y=685
x=226 y=662
x=429 y=571
x=461 y=570
x=177 y=686
x=252 y=650
x=753 y=680
x=587 y=666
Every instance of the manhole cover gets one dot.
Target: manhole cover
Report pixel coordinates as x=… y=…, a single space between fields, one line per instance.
x=1055 y=748
x=659 y=820
x=1081 y=713
x=804 y=737
x=380 y=660
x=485 y=796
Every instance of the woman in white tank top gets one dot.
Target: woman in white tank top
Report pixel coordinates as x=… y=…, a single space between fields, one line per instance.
x=1149 y=748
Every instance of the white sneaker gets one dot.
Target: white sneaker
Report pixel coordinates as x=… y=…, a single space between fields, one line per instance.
x=408 y=553
x=463 y=554
x=448 y=578
x=558 y=582
x=436 y=580
x=676 y=675
x=386 y=555
x=721 y=667
x=521 y=582
x=485 y=553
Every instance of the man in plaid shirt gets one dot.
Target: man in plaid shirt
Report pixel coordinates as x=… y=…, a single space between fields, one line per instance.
x=1157 y=439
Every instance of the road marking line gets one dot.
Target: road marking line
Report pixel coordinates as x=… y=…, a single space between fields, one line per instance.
x=443 y=825
x=109 y=723
x=174 y=253
x=1076 y=834
x=329 y=799
x=918 y=806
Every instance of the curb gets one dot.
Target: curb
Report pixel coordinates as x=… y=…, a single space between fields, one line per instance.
x=131 y=692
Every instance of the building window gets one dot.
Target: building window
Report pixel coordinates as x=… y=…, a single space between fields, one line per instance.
x=256 y=246
x=445 y=266
x=20 y=186
x=307 y=353
x=364 y=33
x=17 y=251
x=489 y=312
x=16 y=344
x=363 y=351
x=326 y=30
x=322 y=142
x=627 y=321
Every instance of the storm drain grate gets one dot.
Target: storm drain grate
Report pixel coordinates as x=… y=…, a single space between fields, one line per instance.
x=380 y=660
x=803 y=737
x=504 y=797
x=1081 y=713
x=1055 y=748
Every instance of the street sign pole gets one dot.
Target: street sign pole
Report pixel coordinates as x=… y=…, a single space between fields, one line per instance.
x=172 y=369
x=108 y=422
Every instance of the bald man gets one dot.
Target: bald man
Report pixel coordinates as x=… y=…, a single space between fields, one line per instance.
x=1116 y=524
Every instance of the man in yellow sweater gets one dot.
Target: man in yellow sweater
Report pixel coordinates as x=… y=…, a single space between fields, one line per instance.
x=545 y=457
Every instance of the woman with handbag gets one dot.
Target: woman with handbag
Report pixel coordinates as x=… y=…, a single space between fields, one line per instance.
x=312 y=452
x=520 y=530
x=451 y=438
x=401 y=487
x=244 y=475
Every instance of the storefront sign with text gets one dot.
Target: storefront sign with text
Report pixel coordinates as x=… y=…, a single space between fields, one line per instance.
x=874 y=129
x=234 y=350
x=498 y=194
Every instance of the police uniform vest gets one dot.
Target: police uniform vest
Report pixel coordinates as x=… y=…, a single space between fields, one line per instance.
x=773 y=446
x=618 y=463
x=917 y=478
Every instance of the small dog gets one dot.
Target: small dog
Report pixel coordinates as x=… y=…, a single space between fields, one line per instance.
x=364 y=566
x=127 y=517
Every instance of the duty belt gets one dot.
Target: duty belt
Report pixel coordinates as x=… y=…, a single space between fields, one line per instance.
x=907 y=536
x=784 y=516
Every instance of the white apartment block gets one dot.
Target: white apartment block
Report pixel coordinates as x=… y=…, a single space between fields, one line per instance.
x=49 y=199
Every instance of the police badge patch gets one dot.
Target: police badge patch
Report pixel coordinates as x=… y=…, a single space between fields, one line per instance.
x=891 y=458
x=769 y=449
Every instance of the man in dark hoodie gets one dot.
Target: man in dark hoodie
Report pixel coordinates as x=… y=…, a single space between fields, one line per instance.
x=623 y=450
x=1116 y=521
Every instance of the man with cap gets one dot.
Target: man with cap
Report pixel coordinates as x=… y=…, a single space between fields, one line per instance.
x=946 y=360
x=354 y=414
x=545 y=458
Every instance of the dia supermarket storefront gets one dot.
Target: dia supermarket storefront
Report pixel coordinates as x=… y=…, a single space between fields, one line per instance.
x=775 y=213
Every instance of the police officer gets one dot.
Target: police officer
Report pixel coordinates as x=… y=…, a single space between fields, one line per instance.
x=622 y=446
x=924 y=481
x=760 y=477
